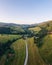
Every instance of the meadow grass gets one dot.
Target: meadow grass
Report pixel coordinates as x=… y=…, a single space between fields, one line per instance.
x=19 y=48
x=4 y=37
x=46 y=49
x=36 y=29
x=34 y=56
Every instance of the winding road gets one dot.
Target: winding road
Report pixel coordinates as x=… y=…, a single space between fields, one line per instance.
x=26 y=58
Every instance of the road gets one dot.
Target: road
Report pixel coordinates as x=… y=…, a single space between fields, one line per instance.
x=26 y=58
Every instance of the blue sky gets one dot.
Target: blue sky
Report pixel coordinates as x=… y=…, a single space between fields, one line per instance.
x=25 y=11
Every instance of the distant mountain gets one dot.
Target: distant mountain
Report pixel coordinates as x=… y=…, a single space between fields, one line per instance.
x=8 y=24
x=11 y=28
x=44 y=24
x=16 y=25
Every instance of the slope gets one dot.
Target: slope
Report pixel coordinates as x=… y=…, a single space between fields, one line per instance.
x=34 y=56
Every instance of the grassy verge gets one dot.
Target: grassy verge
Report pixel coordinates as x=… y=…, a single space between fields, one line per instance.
x=34 y=56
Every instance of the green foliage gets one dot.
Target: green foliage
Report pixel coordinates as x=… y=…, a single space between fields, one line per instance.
x=38 y=37
x=14 y=51
x=6 y=41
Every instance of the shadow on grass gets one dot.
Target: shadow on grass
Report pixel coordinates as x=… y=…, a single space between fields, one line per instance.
x=5 y=47
x=10 y=55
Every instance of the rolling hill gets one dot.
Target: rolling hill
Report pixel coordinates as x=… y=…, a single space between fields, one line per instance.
x=15 y=54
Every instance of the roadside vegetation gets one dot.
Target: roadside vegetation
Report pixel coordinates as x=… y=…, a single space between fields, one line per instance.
x=46 y=49
x=34 y=56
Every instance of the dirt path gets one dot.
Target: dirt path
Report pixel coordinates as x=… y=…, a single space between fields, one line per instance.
x=26 y=58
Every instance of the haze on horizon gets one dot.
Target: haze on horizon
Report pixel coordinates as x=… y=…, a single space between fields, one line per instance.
x=25 y=11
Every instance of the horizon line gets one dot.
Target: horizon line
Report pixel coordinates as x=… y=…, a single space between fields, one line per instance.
x=24 y=23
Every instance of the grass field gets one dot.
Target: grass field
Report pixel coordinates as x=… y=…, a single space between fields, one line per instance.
x=46 y=49
x=34 y=56
x=19 y=49
x=4 y=37
x=36 y=29
x=37 y=56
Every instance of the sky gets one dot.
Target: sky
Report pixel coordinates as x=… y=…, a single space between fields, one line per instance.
x=25 y=11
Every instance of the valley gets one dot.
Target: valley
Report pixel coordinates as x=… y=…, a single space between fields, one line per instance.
x=29 y=45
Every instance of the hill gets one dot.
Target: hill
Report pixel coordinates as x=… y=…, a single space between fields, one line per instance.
x=46 y=49
x=44 y=40
x=47 y=25
x=39 y=42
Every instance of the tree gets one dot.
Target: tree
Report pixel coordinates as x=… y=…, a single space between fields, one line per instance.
x=38 y=38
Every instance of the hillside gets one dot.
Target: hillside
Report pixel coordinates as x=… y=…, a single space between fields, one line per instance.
x=47 y=25
x=11 y=28
x=12 y=52
x=43 y=40
x=46 y=49
x=37 y=37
